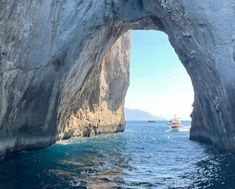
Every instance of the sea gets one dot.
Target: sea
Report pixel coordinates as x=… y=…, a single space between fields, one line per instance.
x=145 y=156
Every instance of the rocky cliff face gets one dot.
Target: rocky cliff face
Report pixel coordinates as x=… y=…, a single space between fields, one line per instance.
x=99 y=104
x=58 y=77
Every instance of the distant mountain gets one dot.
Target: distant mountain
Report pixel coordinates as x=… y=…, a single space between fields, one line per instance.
x=139 y=115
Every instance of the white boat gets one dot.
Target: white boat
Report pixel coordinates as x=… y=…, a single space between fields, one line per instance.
x=175 y=123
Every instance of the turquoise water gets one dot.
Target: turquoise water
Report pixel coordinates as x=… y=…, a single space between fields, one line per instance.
x=146 y=155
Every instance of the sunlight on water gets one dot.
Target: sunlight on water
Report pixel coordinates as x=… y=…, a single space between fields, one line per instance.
x=147 y=155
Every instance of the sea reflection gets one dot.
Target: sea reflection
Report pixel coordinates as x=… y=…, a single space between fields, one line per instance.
x=99 y=165
x=145 y=156
x=215 y=170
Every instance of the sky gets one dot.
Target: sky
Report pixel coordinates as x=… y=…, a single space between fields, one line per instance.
x=159 y=84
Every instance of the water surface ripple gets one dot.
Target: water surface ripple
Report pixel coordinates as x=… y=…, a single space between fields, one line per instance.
x=146 y=155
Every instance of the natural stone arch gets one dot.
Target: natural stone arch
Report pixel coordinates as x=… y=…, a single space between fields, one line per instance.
x=52 y=54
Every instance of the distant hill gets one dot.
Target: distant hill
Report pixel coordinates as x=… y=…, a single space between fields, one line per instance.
x=139 y=115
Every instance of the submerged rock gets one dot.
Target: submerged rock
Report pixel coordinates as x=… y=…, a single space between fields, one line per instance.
x=63 y=75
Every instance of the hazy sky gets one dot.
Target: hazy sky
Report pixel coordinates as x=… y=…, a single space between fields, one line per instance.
x=159 y=82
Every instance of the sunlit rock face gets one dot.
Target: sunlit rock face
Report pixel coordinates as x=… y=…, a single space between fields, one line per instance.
x=98 y=107
x=62 y=76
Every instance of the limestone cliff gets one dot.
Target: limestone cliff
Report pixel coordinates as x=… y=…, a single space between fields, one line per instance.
x=99 y=107
x=54 y=57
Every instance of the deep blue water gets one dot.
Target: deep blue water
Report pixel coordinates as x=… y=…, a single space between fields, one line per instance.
x=146 y=155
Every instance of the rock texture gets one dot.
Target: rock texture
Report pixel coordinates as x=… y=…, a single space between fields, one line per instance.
x=99 y=104
x=58 y=77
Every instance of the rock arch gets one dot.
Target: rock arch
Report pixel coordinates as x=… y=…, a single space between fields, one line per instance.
x=60 y=70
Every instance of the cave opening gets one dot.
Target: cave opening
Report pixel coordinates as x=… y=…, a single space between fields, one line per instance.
x=159 y=83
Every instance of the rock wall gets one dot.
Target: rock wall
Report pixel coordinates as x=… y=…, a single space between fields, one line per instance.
x=54 y=57
x=99 y=107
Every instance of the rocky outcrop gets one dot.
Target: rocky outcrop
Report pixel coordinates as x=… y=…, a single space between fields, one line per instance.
x=99 y=107
x=58 y=77
x=54 y=68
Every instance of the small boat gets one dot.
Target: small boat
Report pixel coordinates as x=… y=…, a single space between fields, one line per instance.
x=175 y=123
x=151 y=121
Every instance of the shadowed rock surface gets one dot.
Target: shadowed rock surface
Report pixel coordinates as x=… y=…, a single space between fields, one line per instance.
x=59 y=77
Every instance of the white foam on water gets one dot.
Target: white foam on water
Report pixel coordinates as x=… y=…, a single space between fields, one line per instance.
x=72 y=140
x=184 y=129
